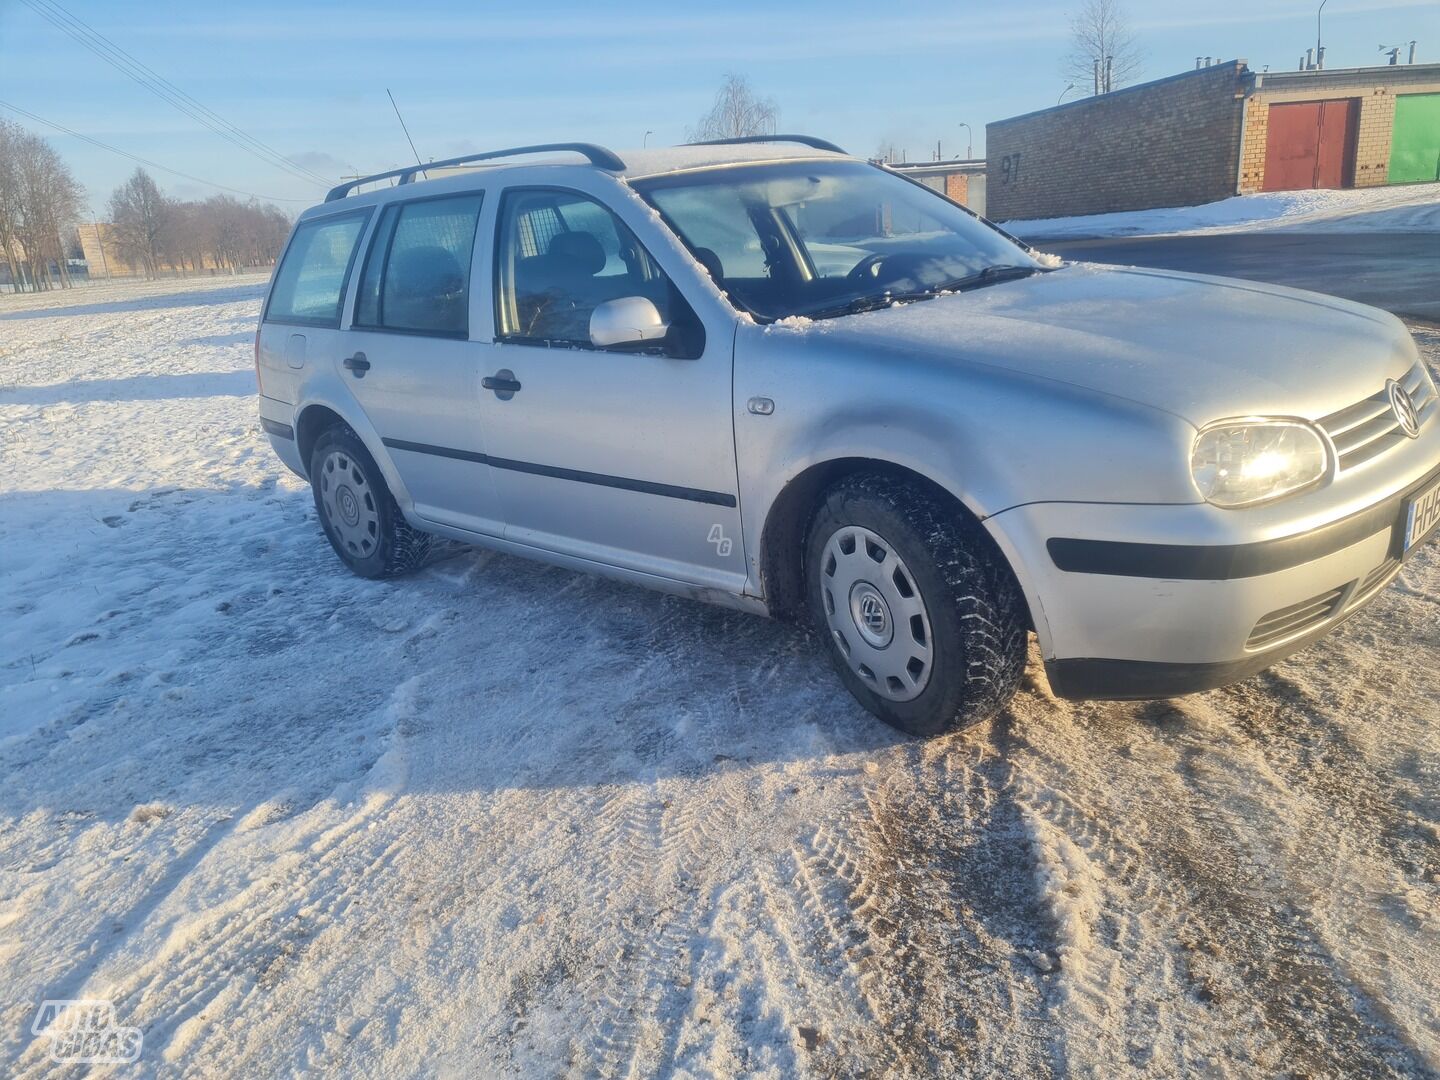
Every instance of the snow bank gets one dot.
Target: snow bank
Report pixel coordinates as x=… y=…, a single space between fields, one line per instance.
x=1414 y=207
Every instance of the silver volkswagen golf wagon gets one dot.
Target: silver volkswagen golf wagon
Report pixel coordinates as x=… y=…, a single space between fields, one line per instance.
x=769 y=374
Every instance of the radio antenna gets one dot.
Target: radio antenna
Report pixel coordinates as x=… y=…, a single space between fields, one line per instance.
x=403 y=127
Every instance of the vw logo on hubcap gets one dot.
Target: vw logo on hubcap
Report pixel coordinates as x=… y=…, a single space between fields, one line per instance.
x=1404 y=408
x=871 y=614
x=349 y=505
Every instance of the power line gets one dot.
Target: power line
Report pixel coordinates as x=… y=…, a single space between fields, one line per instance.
x=138 y=72
x=143 y=161
x=167 y=91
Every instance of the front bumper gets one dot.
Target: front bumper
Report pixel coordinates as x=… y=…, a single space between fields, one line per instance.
x=1126 y=609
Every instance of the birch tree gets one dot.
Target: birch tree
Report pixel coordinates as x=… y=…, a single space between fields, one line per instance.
x=1100 y=30
x=738 y=111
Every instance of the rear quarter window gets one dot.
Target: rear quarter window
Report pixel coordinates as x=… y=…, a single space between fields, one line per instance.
x=310 y=283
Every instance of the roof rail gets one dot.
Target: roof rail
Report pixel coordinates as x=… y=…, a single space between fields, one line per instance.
x=597 y=155
x=803 y=140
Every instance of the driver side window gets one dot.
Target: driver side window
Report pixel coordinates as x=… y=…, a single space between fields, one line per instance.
x=562 y=255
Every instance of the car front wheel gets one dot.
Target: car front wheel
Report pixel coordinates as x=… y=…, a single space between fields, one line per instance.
x=921 y=614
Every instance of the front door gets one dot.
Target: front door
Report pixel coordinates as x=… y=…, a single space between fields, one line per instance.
x=622 y=456
x=411 y=364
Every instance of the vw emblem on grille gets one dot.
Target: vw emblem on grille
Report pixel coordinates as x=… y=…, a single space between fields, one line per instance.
x=1404 y=409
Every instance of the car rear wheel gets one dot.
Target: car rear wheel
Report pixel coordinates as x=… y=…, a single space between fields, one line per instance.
x=357 y=511
x=920 y=612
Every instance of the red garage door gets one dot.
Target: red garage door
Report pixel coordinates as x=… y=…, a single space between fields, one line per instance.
x=1311 y=144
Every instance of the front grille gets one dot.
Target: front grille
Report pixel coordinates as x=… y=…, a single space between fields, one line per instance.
x=1376 y=580
x=1295 y=619
x=1369 y=428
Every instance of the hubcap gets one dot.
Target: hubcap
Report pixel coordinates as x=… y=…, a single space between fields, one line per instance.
x=876 y=615
x=349 y=503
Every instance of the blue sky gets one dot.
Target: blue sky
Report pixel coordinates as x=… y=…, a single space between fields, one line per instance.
x=310 y=79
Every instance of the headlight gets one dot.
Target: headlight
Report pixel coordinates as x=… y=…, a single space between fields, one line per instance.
x=1252 y=461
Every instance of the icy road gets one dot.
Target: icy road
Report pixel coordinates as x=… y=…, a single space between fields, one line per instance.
x=499 y=819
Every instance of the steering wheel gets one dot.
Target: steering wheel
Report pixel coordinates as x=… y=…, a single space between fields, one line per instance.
x=867 y=268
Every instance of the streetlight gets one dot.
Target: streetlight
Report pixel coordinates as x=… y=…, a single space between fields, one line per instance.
x=1319 y=49
x=969 y=139
x=646 y=140
x=1063 y=93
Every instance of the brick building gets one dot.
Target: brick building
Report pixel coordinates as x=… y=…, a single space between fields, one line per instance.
x=960 y=179
x=1214 y=132
x=100 y=252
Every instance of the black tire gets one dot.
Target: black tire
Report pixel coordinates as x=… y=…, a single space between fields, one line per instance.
x=378 y=542
x=972 y=629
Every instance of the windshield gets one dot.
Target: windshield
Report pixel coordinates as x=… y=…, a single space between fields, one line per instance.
x=828 y=238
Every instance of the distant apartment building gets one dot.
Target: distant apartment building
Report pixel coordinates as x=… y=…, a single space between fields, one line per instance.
x=1214 y=132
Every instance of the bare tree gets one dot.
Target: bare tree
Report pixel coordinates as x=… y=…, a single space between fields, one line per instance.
x=1101 y=40
x=50 y=201
x=186 y=243
x=39 y=201
x=230 y=228
x=142 y=219
x=11 y=135
x=737 y=112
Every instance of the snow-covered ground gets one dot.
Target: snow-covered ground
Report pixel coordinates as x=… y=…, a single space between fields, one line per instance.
x=1403 y=208
x=501 y=819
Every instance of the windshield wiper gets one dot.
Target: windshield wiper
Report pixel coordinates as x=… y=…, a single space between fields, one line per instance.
x=991 y=275
x=854 y=307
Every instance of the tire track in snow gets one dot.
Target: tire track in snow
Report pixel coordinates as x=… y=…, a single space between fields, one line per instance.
x=1345 y=927
x=659 y=841
x=312 y=879
x=914 y=889
x=1246 y=945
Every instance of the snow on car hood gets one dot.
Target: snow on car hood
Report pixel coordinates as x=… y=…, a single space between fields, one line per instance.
x=1201 y=347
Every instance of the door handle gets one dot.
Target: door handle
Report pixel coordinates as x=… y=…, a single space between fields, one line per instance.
x=357 y=365
x=503 y=382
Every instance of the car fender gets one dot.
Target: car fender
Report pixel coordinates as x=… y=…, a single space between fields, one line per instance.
x=329 y=391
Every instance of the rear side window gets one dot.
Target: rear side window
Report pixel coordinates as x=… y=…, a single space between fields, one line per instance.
x=417 y=275
x=310 y=284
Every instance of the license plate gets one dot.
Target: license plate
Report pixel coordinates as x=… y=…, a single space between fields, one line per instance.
x=1422 y=516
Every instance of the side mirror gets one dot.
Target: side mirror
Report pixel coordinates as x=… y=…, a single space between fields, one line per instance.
x=631 y=320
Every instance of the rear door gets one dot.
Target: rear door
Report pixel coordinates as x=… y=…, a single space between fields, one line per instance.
x=1415 y=144
x=411 y=364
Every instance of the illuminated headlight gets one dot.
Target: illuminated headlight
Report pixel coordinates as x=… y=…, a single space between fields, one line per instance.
x=1253 y=461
